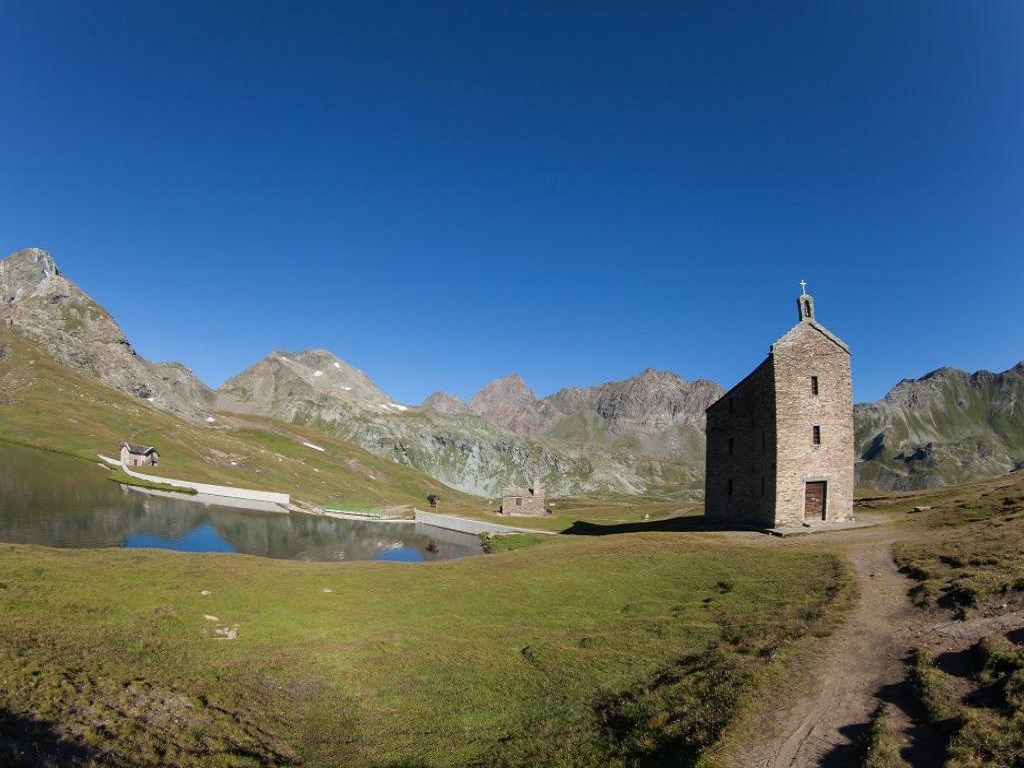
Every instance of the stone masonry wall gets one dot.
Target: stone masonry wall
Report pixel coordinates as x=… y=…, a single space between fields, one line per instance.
x=532 y=506
x=804 y=352
x=741 y=452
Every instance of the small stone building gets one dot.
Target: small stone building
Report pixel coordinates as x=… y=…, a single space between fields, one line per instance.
x=523 y=502
x=139 y=455
x=780 y=443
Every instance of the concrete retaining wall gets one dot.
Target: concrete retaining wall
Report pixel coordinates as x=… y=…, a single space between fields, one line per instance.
x=465 y=525
x=226 y=491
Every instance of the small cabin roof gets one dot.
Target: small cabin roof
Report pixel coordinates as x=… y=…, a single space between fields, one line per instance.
x=139 y=450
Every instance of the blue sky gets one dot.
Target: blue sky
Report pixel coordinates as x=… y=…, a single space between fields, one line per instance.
x=443 y=193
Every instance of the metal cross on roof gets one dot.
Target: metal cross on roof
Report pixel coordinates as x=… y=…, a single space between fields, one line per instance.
x=803 y=287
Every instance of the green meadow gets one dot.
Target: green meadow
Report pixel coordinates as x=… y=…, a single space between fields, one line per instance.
x=634 y=649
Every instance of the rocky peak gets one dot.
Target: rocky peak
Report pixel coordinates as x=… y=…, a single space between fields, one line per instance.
x=508 y=390
x=442 y=402
x=510 y=404
x=294 y=377
x=24 y=272
x=38 y=302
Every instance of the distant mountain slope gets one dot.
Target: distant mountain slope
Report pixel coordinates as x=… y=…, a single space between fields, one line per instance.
x=945 y=427
x=651 y=424
x=316 y=388
x=647 y=404
x=284 y=378
x=40 y=303
x=658 y=412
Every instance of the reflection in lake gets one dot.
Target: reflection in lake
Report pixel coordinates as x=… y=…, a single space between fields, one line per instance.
x=202 y=539
x=58 y=501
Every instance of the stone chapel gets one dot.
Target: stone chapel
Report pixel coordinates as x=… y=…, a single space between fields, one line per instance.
x=780 y=443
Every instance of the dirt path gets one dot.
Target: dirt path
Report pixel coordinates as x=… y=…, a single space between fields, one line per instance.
x=859 y=665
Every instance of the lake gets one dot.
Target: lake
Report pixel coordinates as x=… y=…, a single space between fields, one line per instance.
x=58 y=501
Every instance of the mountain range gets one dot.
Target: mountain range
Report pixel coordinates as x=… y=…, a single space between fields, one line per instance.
x=641 y=435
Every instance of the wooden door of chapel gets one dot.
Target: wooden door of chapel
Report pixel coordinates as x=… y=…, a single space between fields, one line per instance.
x=814 y=500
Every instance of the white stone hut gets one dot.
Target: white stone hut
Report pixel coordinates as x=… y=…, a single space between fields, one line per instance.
x=139 y=455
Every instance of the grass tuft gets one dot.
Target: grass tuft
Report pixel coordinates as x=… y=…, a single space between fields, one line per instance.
x=883 y=748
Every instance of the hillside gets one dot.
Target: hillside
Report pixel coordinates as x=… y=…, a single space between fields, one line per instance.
x=46 y=404
x=945 y=427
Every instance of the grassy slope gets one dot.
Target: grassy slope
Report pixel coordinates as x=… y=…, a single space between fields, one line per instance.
x=47 y=405
x=580 y=651
x=969 y=564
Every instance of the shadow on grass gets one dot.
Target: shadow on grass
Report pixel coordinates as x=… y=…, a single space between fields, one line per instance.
x=26 y=742
x=682 y=524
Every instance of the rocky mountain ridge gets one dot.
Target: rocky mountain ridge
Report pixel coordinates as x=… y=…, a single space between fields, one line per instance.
x=646 y=404
x=459 y=448
x=642 y=434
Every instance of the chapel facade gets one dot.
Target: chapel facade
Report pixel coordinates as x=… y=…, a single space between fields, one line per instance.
x=780 y=443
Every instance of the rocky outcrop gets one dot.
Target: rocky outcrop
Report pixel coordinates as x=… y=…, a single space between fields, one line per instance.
x=945 y=427
x=36 y=300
